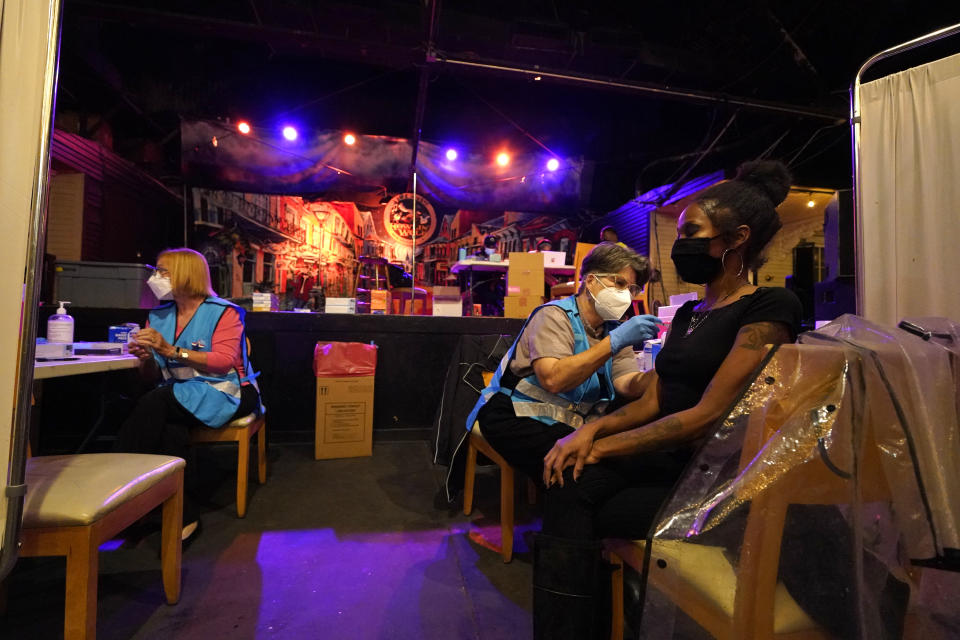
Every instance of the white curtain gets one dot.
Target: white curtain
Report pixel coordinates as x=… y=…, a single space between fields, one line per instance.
x=28 y=31
x=910 y=182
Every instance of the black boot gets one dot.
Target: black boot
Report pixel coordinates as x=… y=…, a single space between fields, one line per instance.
x=571 y=589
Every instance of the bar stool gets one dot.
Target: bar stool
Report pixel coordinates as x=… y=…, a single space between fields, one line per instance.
x=413 y=295
x=373 y=272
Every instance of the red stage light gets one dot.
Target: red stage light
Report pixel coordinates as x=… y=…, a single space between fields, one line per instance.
x=349 y=139
x=503 y=159
x=243 y=127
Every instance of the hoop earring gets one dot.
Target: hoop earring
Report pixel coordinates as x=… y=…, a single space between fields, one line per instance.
x=723 y=263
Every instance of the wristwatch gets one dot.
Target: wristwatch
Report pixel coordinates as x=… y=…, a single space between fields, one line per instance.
x=183 y=354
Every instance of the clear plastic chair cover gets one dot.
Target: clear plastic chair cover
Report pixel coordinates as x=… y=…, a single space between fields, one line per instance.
x=811 y=504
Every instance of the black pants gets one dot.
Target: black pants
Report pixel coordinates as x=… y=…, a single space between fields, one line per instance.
x=616 y=498
x=159 y=424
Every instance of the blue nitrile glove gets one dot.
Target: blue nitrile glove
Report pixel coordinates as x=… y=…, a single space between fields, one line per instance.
x=634 y=331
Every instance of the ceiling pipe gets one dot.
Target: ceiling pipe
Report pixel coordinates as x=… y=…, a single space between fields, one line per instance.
x=661 y=91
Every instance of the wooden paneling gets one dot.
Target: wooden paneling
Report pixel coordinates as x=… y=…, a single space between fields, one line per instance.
x=65 y=216
x=128 y=216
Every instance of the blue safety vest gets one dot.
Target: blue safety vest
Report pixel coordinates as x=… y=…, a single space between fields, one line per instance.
x=533 y=401
x=212 y=398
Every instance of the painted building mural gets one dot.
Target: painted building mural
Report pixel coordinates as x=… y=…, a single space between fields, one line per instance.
x=300 y=249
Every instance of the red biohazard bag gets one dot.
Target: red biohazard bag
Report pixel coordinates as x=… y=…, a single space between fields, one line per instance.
x=344 y=359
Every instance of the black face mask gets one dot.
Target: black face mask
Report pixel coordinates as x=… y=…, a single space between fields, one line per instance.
x=691 y=257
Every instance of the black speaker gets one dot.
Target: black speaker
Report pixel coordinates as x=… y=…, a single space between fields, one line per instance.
x=833 y=298
x=838 y=236
x=806 y=272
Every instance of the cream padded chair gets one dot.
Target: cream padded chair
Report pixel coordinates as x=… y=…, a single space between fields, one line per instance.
x=75 y=503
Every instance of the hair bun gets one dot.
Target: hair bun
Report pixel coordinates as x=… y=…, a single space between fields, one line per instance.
x=769 y=176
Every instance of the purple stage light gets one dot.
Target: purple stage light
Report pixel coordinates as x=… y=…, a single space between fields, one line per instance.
x=451 y=154
x=553 y=164
x=289 y=133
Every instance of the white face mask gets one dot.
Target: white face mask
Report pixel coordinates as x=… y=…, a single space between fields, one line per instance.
x=611 y=303
x=160 y=286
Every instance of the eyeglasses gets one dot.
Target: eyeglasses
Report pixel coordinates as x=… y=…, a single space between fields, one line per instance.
x=621 y=284
x=159 y=271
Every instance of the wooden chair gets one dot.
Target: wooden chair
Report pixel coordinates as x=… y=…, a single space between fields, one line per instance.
x=476 y=442
x=75 y=503
x=240 y=431
x=749 y=602
x=562 y=290
x=583 y=248
x=415 y=297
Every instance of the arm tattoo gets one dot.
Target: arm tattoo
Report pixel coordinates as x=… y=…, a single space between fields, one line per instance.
x=758 y=334
x=670 y=424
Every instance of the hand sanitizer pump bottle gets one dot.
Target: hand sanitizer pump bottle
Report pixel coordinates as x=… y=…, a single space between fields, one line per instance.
x=60 y=325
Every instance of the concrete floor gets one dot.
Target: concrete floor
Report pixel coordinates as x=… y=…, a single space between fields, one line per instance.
x=356 y=548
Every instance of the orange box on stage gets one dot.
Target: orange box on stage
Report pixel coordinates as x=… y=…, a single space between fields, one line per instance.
x=379 y=299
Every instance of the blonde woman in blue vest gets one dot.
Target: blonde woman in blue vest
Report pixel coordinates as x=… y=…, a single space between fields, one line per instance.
x=194 y=347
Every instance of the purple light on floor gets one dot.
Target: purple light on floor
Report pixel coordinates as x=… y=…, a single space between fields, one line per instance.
x=553 y=164
x=451 y=154
x=289 y=133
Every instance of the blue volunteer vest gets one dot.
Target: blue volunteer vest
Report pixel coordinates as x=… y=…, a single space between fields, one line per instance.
x=587 y=393
x=212 y=398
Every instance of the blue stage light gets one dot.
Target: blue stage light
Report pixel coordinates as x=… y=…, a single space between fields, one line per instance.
x=289 y=133
x=451 y=154
x=553 y=164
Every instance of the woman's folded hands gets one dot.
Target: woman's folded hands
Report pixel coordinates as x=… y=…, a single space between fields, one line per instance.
x=574 y=449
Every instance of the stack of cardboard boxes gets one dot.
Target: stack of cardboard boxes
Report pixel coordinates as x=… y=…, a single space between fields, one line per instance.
x=446 y=301
x=524 y=285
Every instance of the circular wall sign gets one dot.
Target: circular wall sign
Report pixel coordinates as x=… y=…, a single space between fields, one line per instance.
x=398 y=218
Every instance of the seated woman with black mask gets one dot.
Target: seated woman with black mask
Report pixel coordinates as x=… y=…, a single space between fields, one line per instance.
x=625 y=464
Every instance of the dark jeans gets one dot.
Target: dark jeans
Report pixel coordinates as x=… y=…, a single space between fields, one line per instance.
x=617 y=498
x=159 y=424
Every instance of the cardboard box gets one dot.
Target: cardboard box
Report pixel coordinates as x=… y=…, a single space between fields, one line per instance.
x=520 y=306
x=378 y=301
x=265 y=302
x=344 y=421
x=525 y=275
x=447 y=308
x=446 y=302
x=340 y=305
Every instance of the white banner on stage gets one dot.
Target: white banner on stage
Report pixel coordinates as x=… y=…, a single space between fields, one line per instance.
x=910 y=185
